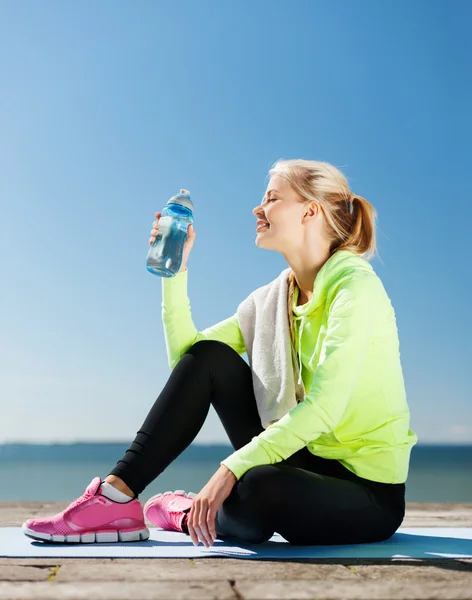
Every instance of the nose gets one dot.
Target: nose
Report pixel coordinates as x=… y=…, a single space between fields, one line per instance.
x=256 y=210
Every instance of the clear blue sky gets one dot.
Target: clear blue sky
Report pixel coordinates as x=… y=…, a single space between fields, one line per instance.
x=108 y=109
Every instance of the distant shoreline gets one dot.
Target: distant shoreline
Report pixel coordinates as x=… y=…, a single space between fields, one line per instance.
x=120 y=442
x=97 y=451
x=424 y=455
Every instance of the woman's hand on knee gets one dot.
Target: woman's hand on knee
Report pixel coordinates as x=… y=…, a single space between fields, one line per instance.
x=202 y=515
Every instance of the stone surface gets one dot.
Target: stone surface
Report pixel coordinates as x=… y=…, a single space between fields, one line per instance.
x=202 y=570
x=24 y=573
x=183 y=590
x=402 y=569
x=238 y=579
x=357 y=590
x=438 y=515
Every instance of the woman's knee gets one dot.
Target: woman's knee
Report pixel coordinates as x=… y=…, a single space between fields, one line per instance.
x=214 y=351
x=205 y=346
x=246 y=513
x=237 y=518
x=262 y=486
x=222 y=360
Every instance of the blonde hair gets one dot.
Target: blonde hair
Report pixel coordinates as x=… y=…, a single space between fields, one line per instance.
x=350 y=219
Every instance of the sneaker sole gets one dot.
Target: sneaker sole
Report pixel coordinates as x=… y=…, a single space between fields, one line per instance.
x=97 y=537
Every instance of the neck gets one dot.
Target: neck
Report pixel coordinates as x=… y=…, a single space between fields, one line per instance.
x=305 y=272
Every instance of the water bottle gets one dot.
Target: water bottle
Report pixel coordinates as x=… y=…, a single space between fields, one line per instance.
x=165 y=255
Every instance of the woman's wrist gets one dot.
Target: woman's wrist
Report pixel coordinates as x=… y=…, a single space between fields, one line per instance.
x=228 y=473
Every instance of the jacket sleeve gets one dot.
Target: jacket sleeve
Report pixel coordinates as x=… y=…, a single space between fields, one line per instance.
x=180 y=332
x=350 y=325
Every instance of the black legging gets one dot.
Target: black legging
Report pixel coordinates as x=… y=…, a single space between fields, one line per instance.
x=305 y=498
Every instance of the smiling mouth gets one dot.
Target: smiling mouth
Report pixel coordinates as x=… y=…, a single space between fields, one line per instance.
x=262 y=227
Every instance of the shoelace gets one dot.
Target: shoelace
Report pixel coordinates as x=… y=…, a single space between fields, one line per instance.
x=86 y=496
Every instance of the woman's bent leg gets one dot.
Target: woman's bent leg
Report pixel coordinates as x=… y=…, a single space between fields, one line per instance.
x=210 y=372
x=306 y=508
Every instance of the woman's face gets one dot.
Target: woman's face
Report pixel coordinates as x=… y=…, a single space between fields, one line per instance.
x=283 y=210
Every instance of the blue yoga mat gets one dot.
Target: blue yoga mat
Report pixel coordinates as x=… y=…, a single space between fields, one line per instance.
x=407 y=542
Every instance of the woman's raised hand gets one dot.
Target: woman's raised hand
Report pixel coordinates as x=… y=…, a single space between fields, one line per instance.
x=191 y=235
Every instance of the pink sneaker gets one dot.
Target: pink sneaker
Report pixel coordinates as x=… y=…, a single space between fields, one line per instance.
x=168 y=510
x=92 y=518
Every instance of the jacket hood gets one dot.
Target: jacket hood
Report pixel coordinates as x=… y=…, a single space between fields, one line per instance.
x=339 y=262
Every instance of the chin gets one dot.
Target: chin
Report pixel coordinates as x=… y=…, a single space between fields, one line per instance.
x=262 y=243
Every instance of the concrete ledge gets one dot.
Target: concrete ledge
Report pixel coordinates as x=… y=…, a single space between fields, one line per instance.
x=228 y=578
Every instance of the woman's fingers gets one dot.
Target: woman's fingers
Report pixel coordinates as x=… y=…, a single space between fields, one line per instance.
x=198 y=522
x=204 y=529
x=191 y=525
x=154 y=230
x=192 y=532
x=211 y=520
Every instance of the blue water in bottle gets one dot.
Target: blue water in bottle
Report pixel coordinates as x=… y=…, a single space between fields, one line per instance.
x=165 y=255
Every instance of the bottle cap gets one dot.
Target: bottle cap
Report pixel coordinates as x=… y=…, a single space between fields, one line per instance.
x=183 y=199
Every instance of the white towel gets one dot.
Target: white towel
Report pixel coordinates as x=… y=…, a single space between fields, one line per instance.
x=263 y=319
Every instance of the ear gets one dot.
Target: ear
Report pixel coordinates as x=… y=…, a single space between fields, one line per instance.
x=311 y=210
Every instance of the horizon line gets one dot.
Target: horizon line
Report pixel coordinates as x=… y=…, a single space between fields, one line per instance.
x=103 y=442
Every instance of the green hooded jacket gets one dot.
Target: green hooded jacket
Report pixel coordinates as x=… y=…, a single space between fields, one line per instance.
x=355 y=409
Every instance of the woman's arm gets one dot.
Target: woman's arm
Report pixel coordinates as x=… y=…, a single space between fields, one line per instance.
x=179 y=329
x=351 y=320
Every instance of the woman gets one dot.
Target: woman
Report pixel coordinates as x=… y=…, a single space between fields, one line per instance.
x=332 y=470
